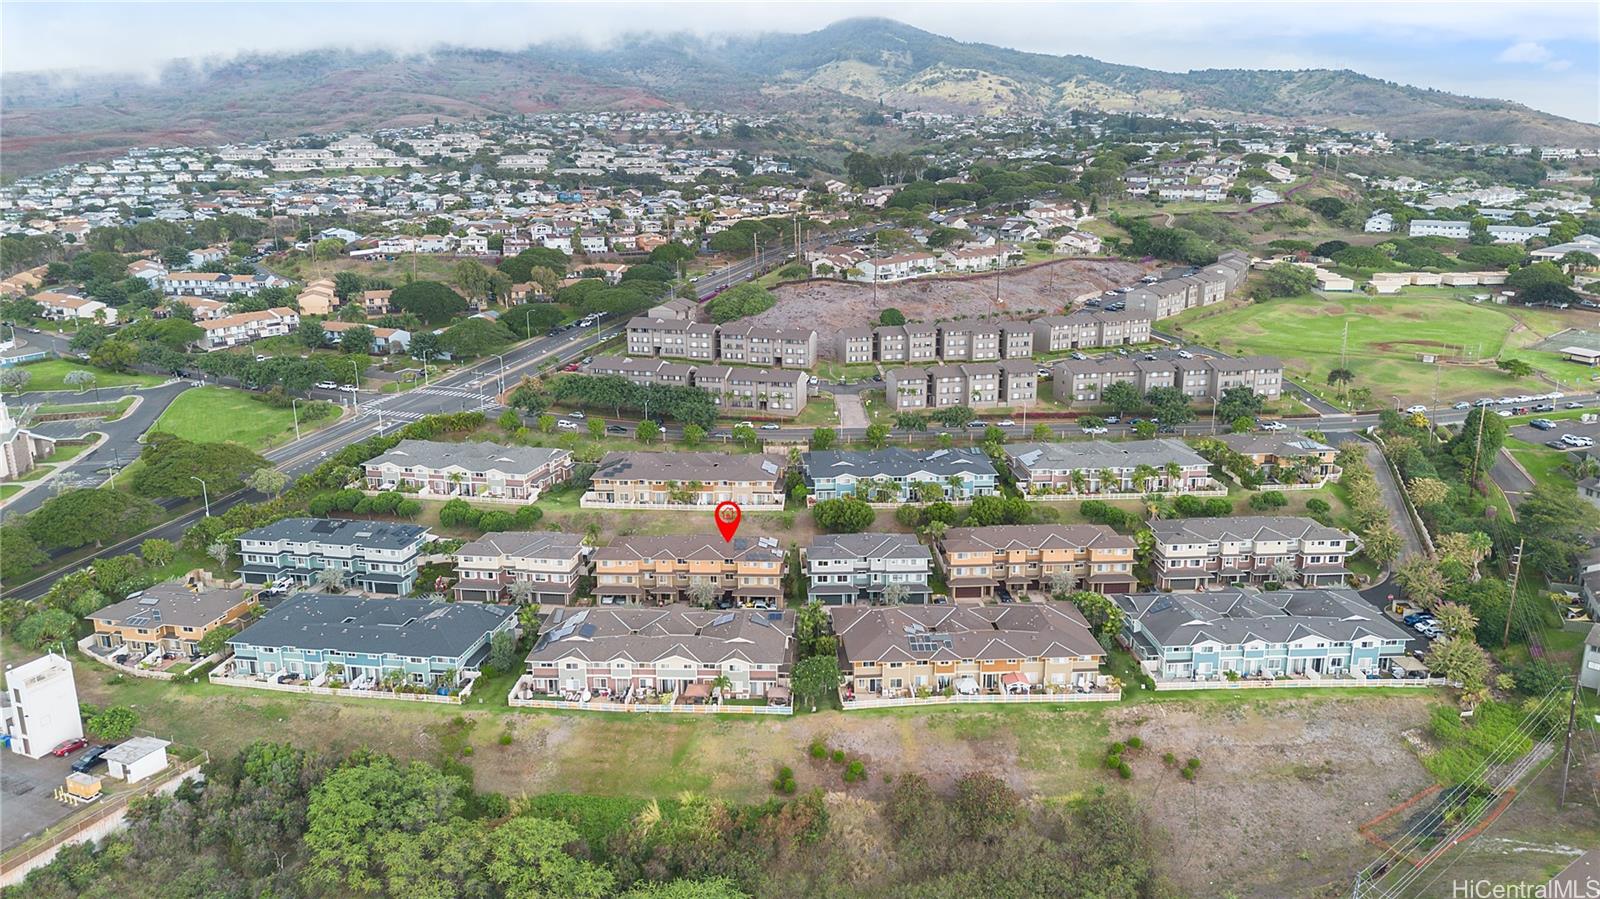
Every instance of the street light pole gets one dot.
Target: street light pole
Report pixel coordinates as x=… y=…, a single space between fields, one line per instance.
x=294 y=409
x=355 y=398
x=502 y=375
x=205 y=495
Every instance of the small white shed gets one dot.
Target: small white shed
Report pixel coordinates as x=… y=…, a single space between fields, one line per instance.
x=137 y=759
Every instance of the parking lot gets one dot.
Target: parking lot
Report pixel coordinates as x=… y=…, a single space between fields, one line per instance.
x=1526 y=431
x=26 y=788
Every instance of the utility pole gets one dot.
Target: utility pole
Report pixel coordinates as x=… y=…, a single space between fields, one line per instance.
x=1566 y=753
x=1516 y=572
x=1477 y=448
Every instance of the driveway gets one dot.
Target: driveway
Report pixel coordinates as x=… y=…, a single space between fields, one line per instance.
x=1389 y=490
x=851 y=412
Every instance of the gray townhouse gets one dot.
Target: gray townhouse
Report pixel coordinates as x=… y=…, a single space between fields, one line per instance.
x=1082 y=382
x=1162 y=465
x=1283 y=633
x=430 y=643
x=544 y=567
x=966 y=341
x=894 y=475
x=643 y=371
x=1183 y=289
x=370 y=556
x=475 y=470
x=737 y=389
x=1197 y=553
x=846 y=569
x=1084 y=329
x=747 y=344
x=672 y=338
x=981 y=385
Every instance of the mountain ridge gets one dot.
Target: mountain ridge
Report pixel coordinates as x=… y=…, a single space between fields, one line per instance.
x=853 y=62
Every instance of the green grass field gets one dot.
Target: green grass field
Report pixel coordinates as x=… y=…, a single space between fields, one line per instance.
x=50 y=374
x=1388 y=335
x=216 y=414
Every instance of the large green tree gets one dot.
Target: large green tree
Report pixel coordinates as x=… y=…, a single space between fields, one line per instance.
x=431 y=301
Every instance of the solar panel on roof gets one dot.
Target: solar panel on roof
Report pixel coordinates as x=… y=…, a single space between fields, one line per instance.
x=774 y=616
x=586 y=630
x=720 y=620
x=149 y=600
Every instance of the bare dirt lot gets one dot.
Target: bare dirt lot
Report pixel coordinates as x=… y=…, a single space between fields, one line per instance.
x=1042 y=289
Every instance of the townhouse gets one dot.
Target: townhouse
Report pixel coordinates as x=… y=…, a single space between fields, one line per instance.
x=972 y=341
x=217 y=284
x=384 y=340
x=667 y=481
x=739 y=390
x=899 y=267
x=1196 y=553
x=845 y=569
x=666 y=570
x=68 y=307
x=1079 y=469
x=1283 y=633
x=896 y=475
x=1004 y=560
x=981 y=385
x=1286 y=458
x=906 y=651
x=734 y=342
x=1189 y=289
x=370 y=556
x=488 y=471
x=975 y=259
x=544 y=567
x=1084 y=329
x=246 y=327
x=1083 y=381
x=363 y=643
x=166 y=620
x=1453 y=229
x=633 y=655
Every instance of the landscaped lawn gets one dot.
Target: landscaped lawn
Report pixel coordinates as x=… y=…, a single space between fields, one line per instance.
x=1544 y=465
x=216 y=414
x=1387 y=336
x=49 y=375
x=110 y=411
x=9 y=490
x=66 y=451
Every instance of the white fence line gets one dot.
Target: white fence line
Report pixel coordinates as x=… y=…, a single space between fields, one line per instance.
x=1109 y=497
x=994 y=698
x=648 y=707
x=253 y=683
x=1292 y=683
x=87 y=642
x=586 y=503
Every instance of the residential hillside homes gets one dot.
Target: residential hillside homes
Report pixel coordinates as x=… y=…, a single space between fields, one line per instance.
x=1078 y=382
x=166 y=620
x=544 y=567
x=1093 y=467
x=217 y=284
x=1284 y=633
x=246 y=327
x=1013 y=383
x=371 y=556
x=905 y=651
x=667 y=481
x=385 y=341
x=427 y=643
x=898 y=267
x=846 y=569
x=70 y=307
x=665 y=570
x=477 y=470
x=634 y=654
x=1286 y=458
x=1197 y=553
x=1454 y=229
x=317 y=298
x=734 y=342
x=1006 y=560
x=896 y=475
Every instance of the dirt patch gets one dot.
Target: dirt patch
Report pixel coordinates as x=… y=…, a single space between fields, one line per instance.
x=1043 y=289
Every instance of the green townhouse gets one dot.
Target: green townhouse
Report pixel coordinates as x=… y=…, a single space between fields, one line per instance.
x=370 y=556
x=1286 y=633
x=431 y=642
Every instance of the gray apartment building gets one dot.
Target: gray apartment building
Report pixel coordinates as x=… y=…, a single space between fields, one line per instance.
x=846 y=569
x=762 y=346
x=738 y=389
x=980 y=385
x=1196 y=553
x=1078 y=382
x=371 y=556
x=968 y=341
x=1084 y=329
x=1103 y=466
x=1184 y=289
x=672 y=338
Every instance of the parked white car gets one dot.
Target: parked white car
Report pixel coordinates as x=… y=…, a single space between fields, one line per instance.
x=1274 y=426
x=1417 y=409
x=567 y=425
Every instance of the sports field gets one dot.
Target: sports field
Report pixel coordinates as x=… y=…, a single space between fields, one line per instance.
x=1388 y=338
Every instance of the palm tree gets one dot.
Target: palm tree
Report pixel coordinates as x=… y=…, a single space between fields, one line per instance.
x=331 y=579
x=894 y=593
x=1174 y=472
x=1080 y=481
x=455 y=483
x=1142 y=476
x=1109 y=482
x=721 y=684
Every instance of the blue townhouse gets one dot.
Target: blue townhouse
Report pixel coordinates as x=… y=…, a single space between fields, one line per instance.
x=895 y=475
x=432 y=643
x=1286 y=633
x=370 y=556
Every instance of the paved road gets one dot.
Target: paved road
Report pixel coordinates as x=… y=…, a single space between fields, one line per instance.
x=1389 y=490
x=1513 y=482
x=754 y=266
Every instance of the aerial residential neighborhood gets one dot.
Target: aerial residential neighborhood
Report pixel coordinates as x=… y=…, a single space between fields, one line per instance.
x=510 y=451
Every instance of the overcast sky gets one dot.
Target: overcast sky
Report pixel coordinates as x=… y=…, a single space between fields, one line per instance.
x=1543 y=54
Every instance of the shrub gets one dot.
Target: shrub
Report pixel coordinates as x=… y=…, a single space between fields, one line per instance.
x=1317 y=506
x=1268 y=499
x=1123 y=771
x=1186 y=773
x=1169 y=759
x=784 y=783
x=855 y=771
x=838 y=756
x=1192 y=764
x=818 y=750
x=506 y=738
x=1135 y=743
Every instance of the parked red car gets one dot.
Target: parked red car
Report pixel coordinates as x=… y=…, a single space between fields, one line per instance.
x=69 y=747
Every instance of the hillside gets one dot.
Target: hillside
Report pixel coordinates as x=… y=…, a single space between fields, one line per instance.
x=52 y=118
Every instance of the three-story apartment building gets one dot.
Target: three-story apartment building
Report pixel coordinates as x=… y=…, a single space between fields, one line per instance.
x=1284 y=457
x=245 y=327
x=665 y=570
x=1196 y=553
x=1162 y=465
x=668 y=481
x=1081 y=382
x=544 y=567
x=371 y=556
x=1002 y=560
x=734 y=342
x=478 y=470
x=896 y=475
x=167 y=619
x=845 y=569
x=1013 y=383
x=1085 y=329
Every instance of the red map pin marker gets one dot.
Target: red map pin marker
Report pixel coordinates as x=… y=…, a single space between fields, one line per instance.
x=728 y=516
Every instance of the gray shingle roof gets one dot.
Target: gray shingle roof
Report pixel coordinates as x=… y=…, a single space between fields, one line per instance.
x=402 y=627
x=1033 y=536
x=171 y=605
x=469 y=456
x=704 y=467
x=895 y=462
x=525 y=545
x=1234 y=617
x=908 y=633
x=340 y=531
x=1098 y=454
x=647 y=635
x=867 y=546
x=1244 y=527
x=689 y=547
